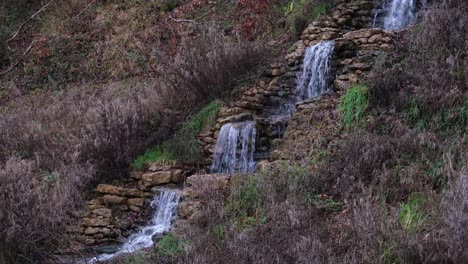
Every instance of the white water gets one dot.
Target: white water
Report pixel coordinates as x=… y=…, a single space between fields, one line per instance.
x=314 y=79
x=165 y=204
x=400 y=13
x=235 y=148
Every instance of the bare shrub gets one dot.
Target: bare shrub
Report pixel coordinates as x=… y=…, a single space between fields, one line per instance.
x=437 y=46
x=90 y=134
x=205 y=67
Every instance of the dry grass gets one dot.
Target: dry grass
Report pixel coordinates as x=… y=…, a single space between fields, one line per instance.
x=52 y=146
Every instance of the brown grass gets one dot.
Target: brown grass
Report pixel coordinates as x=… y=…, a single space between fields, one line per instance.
x=53 y=146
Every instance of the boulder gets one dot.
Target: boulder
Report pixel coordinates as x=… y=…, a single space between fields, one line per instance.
x=156 y=178
x=161 y=177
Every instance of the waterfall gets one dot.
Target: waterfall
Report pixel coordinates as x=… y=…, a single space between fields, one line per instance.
x=400 y=13
x=235 y=148
x=314 y=79
x=165 y=204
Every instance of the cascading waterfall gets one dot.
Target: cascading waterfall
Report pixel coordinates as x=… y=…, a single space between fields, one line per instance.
x=235 y=148
x=314 y=79
x=400 y=14
x=165 y=204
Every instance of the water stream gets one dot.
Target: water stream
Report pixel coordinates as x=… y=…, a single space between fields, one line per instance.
x=235 y=148
x=315 y=77
x=398 y=14
x=165 y=205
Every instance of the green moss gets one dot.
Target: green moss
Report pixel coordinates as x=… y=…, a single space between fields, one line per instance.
x=353 y=105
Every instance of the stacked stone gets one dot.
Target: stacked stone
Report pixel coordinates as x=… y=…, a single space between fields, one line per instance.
x=277 y=82
x=117 y=210
x=345 y=17
x=104 y=218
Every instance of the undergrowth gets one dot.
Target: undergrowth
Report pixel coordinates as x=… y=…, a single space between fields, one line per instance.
x=353 y=105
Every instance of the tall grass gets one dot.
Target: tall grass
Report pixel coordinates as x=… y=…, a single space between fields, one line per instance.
x=353 y=105
x=90 y=134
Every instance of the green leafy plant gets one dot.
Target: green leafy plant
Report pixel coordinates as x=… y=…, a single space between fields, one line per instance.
x=169 y=246
x=353 y=105
x=411 y=218
x=321 y=201
x=245 y=203
x=184 y=145
x=158 y=155
x=134 y=260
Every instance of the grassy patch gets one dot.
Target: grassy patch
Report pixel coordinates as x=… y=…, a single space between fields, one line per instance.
x=246 y=203
x=184 y=145
x=169 y=246
x=158 y=155
x=325 y=202
x=353 y=105
x=411 y=218
x=134 y=260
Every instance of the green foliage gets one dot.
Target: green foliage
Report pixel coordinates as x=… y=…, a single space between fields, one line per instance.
x=353 y=105
x=219 y=231
x=413 y=112
x=389 y=256
x=411 y=218
x=138 y=259
x=169 y=5
x=169 y=246
x=325 y=202
x=204 y=118
x=184 y=145
x=246 y=203
x=302 y=12
x=159 y=155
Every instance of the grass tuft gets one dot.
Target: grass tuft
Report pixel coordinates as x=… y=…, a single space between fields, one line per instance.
x=353 y=105
x=169 y=246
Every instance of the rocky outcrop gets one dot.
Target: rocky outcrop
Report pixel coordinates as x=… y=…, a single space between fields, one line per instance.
x=115 y=211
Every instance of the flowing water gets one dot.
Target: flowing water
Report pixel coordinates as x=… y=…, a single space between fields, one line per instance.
x=400 y=13
x=315 y=76
x=165 y=205
x=235 y=148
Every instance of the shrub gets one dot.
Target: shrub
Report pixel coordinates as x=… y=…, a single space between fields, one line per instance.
x=245 y=204
x=90 y=134
x=353 y=105
x=411 y=217
x=184 y=144
x=169 y=246
x=434 y=45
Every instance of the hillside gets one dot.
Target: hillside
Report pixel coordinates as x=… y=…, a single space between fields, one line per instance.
x=272 y=131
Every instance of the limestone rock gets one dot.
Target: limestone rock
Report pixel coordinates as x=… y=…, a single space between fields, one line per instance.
x=95 y=222
x=113 y=199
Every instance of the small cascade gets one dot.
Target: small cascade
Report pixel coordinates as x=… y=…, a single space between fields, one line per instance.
x=400 y=13
x=235 y=148
x=165 y=204
x=314 y=79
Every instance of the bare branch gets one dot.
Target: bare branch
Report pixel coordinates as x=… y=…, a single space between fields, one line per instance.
x=29 y=19
x=81 y=12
